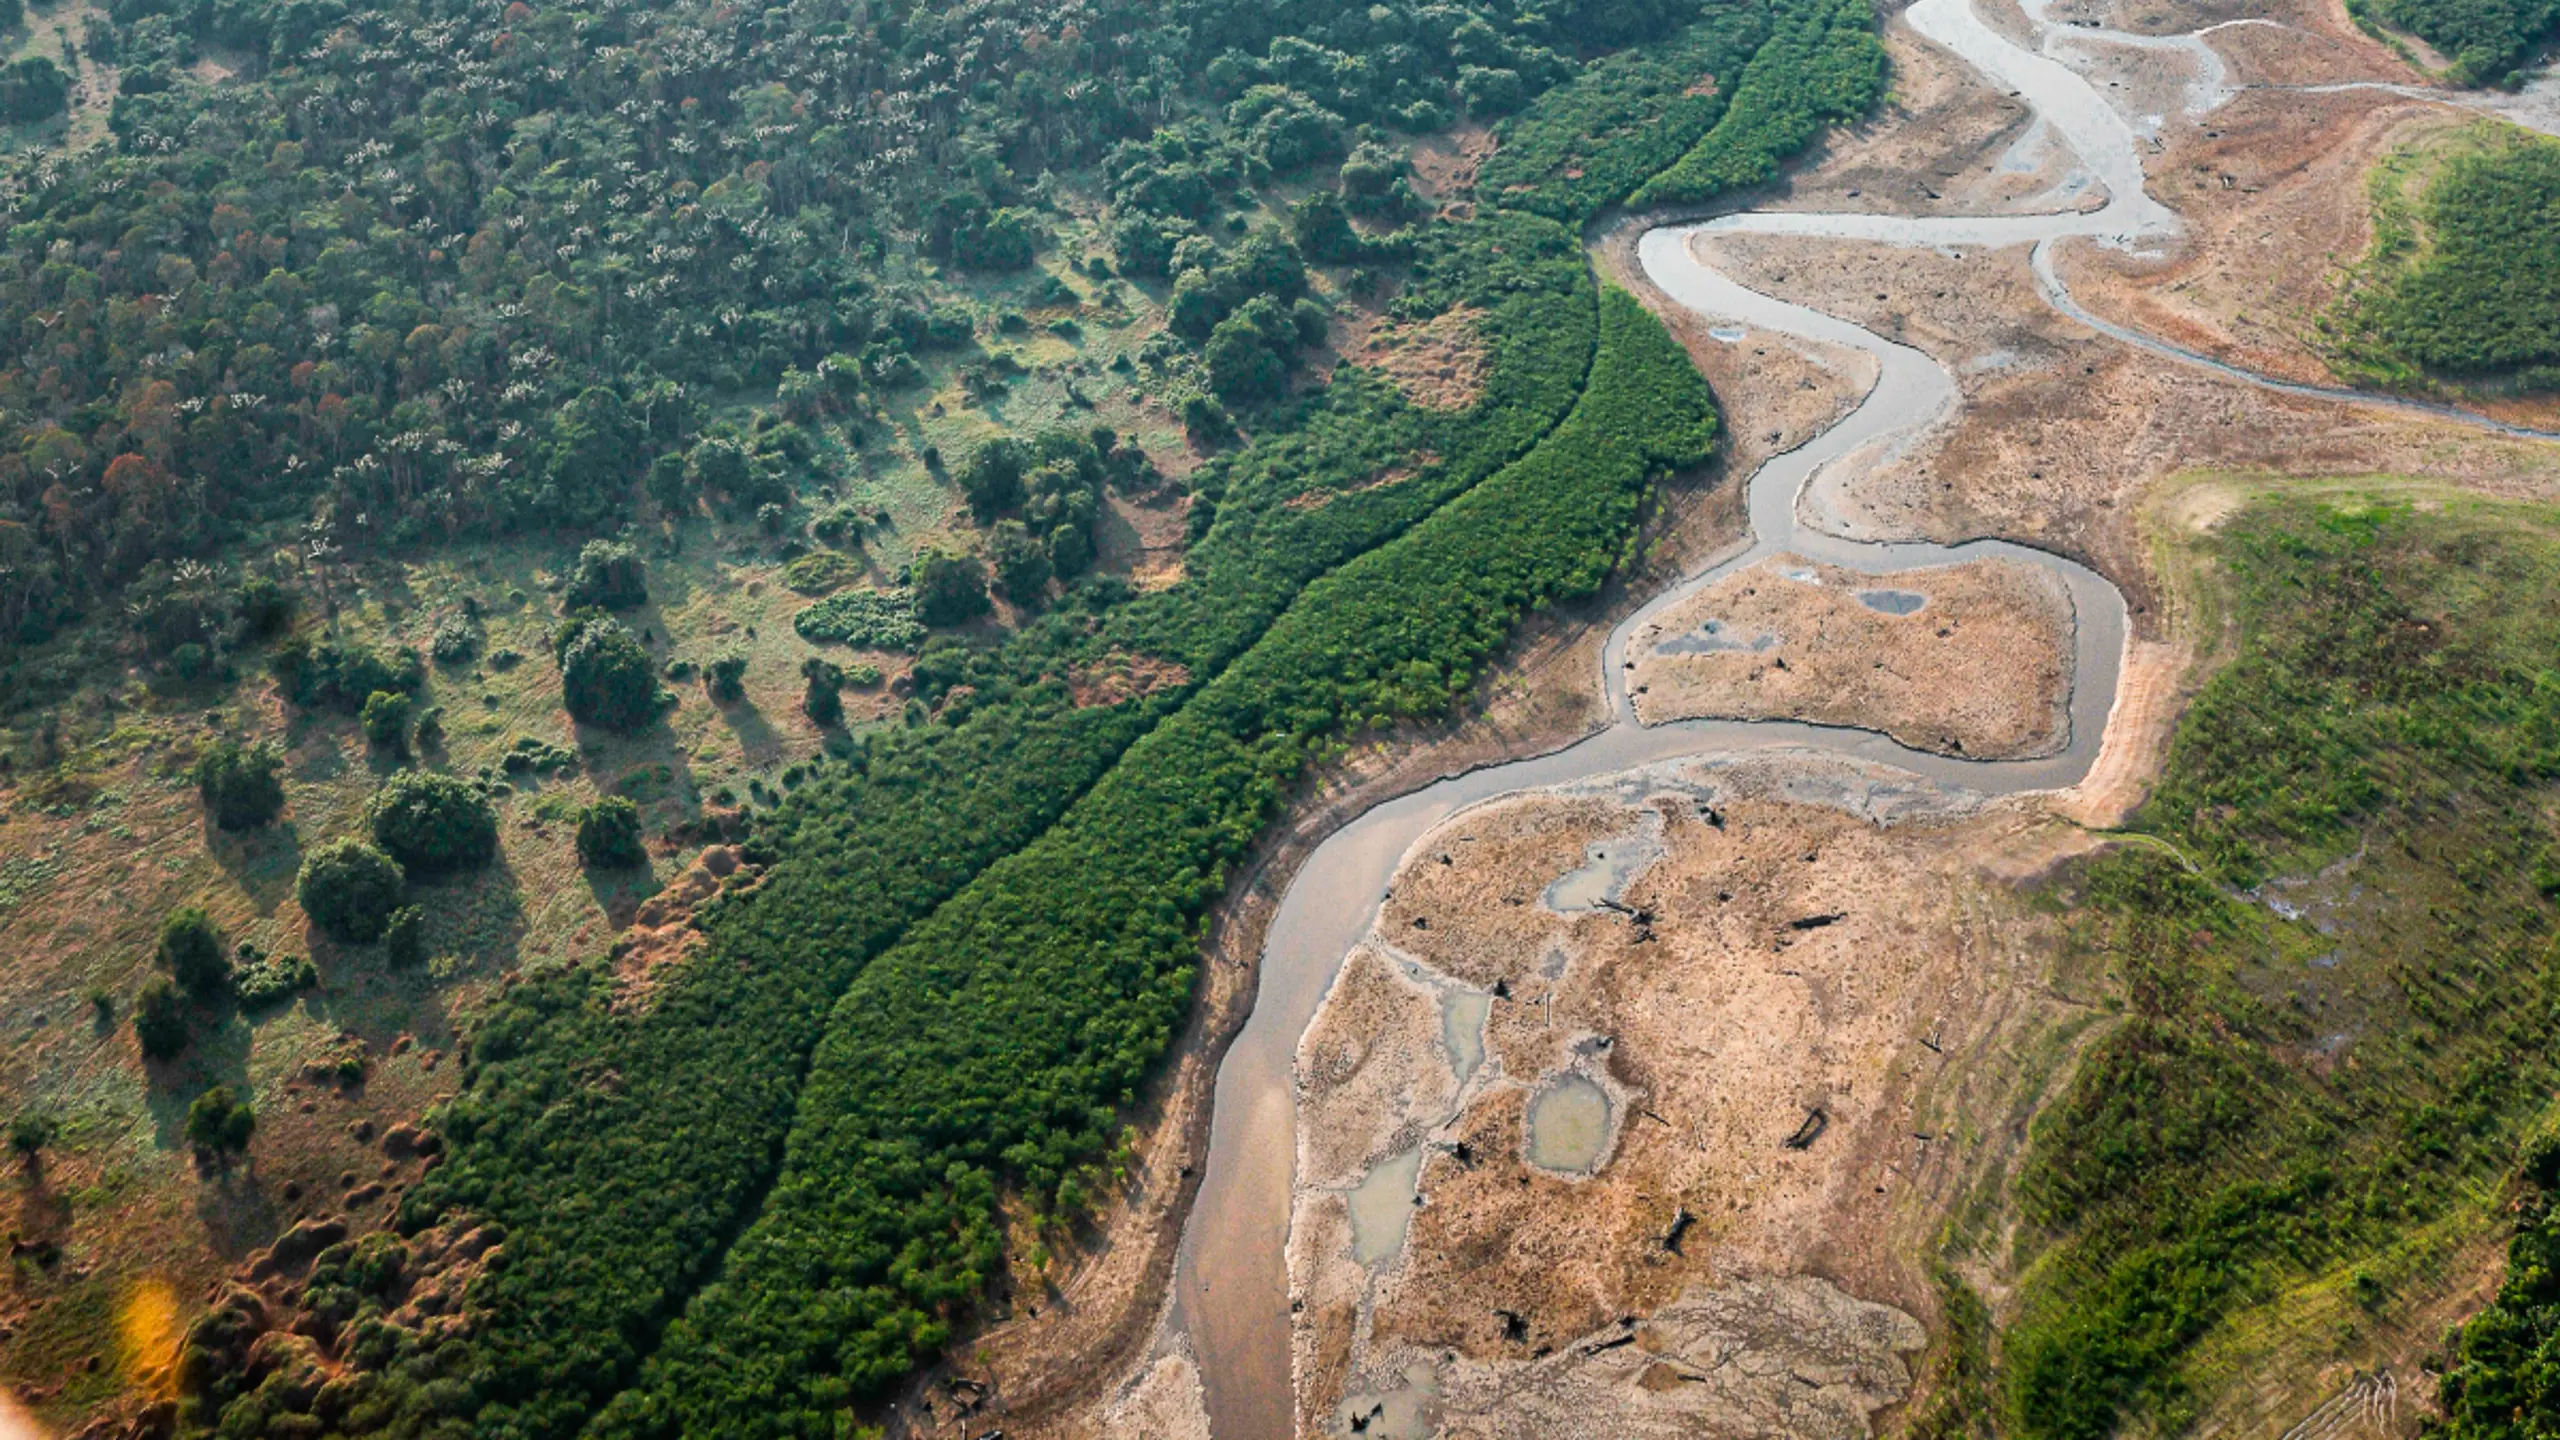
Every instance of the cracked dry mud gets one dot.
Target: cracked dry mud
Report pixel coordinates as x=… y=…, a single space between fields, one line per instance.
x=1970 y=659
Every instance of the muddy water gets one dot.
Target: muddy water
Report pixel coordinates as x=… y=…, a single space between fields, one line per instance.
x=1231 y=1285
x=1568 y=1125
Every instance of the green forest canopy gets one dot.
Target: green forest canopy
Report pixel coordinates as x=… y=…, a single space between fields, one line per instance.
x=2463 y=278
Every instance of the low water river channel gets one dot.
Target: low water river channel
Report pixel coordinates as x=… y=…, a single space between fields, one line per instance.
x=1231 y=1294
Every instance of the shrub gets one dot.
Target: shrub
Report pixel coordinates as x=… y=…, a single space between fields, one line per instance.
x=455 y=638
x=349 y=890
x=820 y=571
x=30 y=1132
x=191 y=951
x=264 y=980
x=403 y=938
x=822 y=701
x=220 y=1124
x=606 y=677
x=241 y=785
x=609 y=835
x=386 y=722
x=343 y=676
x=160 y=1019
x=726 y=677
x=866 y=619
x=433 y=823
x=609 y=575
x=950 y=589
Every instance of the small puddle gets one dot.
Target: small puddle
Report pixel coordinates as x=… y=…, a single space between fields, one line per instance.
x=1607 y=867
x=1715 y=636
x=1892 y=602
x=1401 y=1413
x=1568 y=1124
x=1462 y=1017
x=1382 y=1207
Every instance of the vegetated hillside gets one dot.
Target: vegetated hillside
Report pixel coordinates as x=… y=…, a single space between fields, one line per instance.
x=2334 y=976
x=1064 y=846
x=2487 y=40
x=2462 y=281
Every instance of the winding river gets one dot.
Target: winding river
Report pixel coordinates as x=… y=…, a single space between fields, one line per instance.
x=1231 y=1294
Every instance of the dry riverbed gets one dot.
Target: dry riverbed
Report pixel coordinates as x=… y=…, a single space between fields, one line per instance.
x=1971 y=659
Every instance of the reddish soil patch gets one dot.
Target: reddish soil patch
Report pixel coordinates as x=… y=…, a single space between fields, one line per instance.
x=1318 y=499
x=1444 y=166
x=1122 y=675
x=1439 y=364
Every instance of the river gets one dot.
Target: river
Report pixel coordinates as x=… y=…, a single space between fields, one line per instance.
x=1231 y=1292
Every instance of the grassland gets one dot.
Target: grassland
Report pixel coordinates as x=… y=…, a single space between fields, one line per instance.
x=2331 y=971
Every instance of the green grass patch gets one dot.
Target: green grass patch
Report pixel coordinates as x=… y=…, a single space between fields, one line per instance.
x=2462 y=280
x=2304 y=1080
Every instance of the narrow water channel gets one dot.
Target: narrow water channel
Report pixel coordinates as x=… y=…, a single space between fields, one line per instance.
x=1231 y=1283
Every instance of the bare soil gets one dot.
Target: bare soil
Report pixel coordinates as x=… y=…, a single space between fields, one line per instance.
x=1981 y=667
x=1814 y=940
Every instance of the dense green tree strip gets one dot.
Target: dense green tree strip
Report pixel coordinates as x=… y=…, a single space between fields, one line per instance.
x=1588 y=143
x=2485 y=39
x=2281 y=1102
x=1822 y=65
x=993 y=1044
x=2464 y=281
x=1524 y=278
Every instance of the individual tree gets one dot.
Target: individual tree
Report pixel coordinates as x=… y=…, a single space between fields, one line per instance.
x=32 y=89
x=822 y=700
x=1021 y=562
x=160 y=1018
x=432 y=823
x=609 y=576
x=349 y=890
x=609 y=835
x=242 y=786
x=220 y=1124
x=30 y=1133
x=720 y=465
x=726 y=677
x=606 y=676
x=191 y=951
x=950 y=589
x=991 y=478
x=1205 y=422
x=386 y=722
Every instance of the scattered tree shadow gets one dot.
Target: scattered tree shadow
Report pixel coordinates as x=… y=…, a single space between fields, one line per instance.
x=261 y=861
x=620 y=892
x=758 y=742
